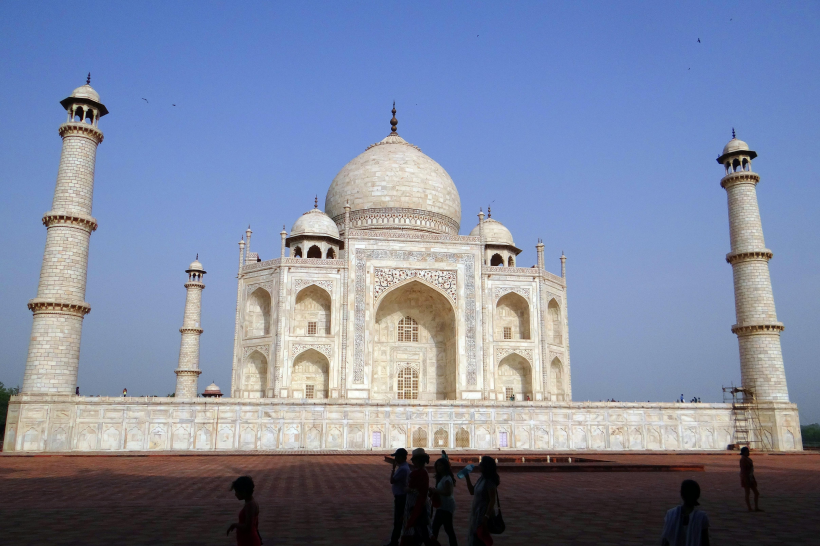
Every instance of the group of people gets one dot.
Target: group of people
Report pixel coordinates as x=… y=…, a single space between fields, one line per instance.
x=414 y=501
x=694 y=400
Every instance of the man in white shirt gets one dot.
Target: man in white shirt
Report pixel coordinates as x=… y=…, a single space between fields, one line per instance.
x=399 y=477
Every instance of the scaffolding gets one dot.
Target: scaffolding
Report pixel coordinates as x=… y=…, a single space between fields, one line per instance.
x=747 y=429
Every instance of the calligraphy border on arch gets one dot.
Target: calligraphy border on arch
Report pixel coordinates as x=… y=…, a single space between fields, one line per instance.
x=361 y=258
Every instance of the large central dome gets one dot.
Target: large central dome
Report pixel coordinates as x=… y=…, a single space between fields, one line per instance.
x=393 y=185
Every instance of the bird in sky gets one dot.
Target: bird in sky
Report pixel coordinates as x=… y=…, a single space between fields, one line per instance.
x=698 y=40
x=143 y=98
x=173 y=105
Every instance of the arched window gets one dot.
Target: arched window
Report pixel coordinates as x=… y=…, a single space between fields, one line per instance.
x=555 y=323
x=746 y=164
x=511 y=262
x=408 y=330
x=512 y=318
x=736 y=165
x=331 y=254
x=297 y=252
x=408 y=384
x=462 y=438
x=314 y=252
x=440 y=439
x=419 y=438
x=312 y=312
x=497 y=260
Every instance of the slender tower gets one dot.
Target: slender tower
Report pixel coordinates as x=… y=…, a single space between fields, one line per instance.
x=757 y=328
x=60 y=306
x=188 y=369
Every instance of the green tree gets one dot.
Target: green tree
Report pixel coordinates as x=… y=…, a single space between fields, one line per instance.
x=811 y=434
x=5 y=394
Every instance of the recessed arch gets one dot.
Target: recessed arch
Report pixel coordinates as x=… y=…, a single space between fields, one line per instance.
x=431 y=348
x=312 y=311
x=297 y=252
x=255 y=375
x=515 y=377
x=556 y=386
x=511 y=261
x=497 y=260
x=331 y=254
x=512 y=317
x=258 y=313
x=310 y=375
x=555 y=324
x=420 y=280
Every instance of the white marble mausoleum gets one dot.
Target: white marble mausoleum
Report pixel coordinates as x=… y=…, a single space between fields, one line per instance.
x=379 y=326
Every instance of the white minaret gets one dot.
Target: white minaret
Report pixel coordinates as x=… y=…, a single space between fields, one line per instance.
x=60 y=306
x=188 y=369
x=757 y=328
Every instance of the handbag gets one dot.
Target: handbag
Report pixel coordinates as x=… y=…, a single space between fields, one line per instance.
x=495 y=523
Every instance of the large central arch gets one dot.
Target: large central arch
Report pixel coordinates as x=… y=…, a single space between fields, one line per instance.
x=433 y=352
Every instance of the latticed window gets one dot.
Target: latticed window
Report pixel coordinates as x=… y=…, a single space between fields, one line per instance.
x=440 y=438
x=502 y=439
x=508 y=393
x=507 y=332
x=377 y=439
x=408 y=384
x=419 y=438
x=309 y=390
x=408 y=330
x=462 y=438
x=312 y=328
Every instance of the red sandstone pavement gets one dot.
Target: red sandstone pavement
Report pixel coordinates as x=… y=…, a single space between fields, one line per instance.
x=345 y=500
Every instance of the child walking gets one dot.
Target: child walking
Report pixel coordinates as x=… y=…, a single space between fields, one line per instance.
x=247 y=528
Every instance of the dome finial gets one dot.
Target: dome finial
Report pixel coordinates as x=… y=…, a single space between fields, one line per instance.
x=197 y=255
x=733 y=133
x=489 y=212
x=394 y=122
x=316 y=201
x=88 y=79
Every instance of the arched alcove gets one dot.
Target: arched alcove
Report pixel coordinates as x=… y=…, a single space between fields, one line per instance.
x=255 y=375
x=296 y=252
x=511 y=261
x=514 y=377
x=310 y=375
x=415 y=327
x=331 y=254
x=554 y=325
x=512 y=317
x=257 y=314
x=556 y=386
x=314 y=252
x=497 y=260
x=312 y=313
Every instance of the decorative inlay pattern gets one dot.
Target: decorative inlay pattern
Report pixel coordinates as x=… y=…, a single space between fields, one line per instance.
x=501 y=290
x=551 y=296
x=298 y=284
x=501 y=352
x=412 y=235
x=396 y=218
x=554 y=355
x=264 y=349
x=444 y=279
x=299 y=348
x=360 y=261
x=268 y=286
x=307 y=262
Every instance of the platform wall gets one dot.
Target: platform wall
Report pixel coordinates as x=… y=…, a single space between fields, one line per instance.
x=53 y=423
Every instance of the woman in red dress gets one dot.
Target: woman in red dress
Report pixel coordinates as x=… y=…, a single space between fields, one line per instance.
x=247 y=529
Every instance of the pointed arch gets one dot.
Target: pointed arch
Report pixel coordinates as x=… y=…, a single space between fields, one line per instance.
x=310 y=375
x=514 y=377
x=556 y=381
x=255 y=375
x=312 y=311
x=331 y=253
x=497 y=260
x=314 y=252
x=401 y=284
x=555 y=323
x=258 y=313
x=512 y=317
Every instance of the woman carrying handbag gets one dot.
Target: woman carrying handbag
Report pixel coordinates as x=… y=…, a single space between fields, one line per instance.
x=483 y=518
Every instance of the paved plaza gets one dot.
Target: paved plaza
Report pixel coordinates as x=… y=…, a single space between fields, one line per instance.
x=345 y=500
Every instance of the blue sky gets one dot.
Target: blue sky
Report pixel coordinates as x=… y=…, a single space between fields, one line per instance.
x=593 y=126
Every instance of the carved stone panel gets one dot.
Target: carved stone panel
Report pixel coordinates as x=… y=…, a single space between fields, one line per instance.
x=444 y=279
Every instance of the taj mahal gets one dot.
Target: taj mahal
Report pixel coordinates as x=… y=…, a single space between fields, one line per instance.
x=380 y=326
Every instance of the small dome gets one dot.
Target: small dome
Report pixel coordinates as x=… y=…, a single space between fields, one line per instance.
x=494 y=233
x=735 y=145
x=212 y=391
x=212 y=388
x=315 y=222
x=196 y=266
x=86 y=92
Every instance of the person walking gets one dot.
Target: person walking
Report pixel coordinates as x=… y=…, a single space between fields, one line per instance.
x=398 y=484
x=685 y=525
x=417 y=508
x=247 y=529
x=747 y=478
x=485 y=495
x=445 y=486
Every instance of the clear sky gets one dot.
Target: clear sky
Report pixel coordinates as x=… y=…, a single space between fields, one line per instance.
x=593 y=126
